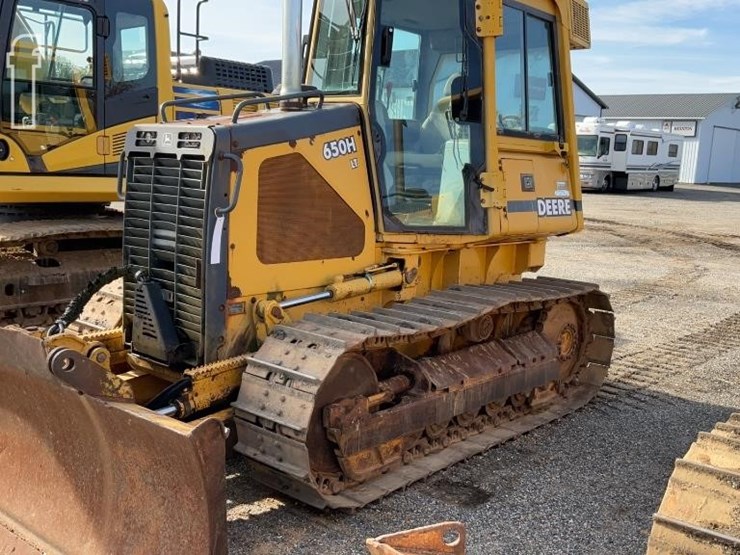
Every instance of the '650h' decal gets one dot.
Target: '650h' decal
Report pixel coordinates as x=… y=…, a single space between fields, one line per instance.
x=341 y=147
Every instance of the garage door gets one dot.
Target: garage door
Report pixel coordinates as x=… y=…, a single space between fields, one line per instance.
x=724 y=166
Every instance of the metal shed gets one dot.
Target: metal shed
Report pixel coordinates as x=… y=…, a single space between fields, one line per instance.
x=710 y=124
x=587 y=103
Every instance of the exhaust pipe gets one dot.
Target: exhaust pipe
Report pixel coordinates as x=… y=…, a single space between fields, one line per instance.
x=291 y=77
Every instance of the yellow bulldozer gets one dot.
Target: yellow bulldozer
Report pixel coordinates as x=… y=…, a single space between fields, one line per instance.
x=76 y=77
x=336 y=285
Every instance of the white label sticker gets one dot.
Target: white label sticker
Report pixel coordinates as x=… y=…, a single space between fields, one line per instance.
x=218 y=231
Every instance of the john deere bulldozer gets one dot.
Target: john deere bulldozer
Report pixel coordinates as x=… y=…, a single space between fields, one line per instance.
x=75 y=77
x=338 y=284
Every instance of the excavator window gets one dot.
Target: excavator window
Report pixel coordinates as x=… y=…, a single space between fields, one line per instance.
x=48 y=88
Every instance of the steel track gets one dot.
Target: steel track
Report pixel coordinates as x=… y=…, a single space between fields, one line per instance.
x=278 y=398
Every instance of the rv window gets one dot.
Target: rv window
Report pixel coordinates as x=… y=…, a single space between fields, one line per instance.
x=620 y=143
x=587 y=145
x=672 y=151
x=638 y=146
x=605 y=144
x=652 y=148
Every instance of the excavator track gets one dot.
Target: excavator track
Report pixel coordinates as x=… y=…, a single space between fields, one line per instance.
x=700 y=513
x=340 y=410
x=44 y=263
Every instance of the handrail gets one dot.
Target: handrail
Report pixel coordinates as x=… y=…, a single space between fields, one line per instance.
x=197 y=99
x=279 y=98
x=119 y=177
x=237 y=188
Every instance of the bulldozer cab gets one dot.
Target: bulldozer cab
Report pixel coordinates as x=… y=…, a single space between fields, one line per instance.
x=420 y=68
x=72 y=69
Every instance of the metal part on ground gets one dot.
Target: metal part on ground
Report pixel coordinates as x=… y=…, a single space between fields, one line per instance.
x=445 y=538
x=333 y=412
x=45 y=263
x=80 y=474
x=700 y=512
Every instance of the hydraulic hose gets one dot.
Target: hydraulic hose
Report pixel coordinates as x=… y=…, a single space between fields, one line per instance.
x=77 y=304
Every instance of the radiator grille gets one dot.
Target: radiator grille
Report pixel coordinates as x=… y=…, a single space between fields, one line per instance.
x=580 y=25
x=118 y=143
x=163 y=235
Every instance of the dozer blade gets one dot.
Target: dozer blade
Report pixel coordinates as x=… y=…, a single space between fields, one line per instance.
x=82 y=475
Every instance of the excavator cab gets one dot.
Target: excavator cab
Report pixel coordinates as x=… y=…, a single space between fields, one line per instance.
x=71 y=71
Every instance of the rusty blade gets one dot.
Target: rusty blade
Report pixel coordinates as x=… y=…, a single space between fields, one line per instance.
x=446 y=538
x=82 y=475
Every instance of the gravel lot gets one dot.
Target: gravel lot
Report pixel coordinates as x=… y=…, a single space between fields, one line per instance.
x=591 y=482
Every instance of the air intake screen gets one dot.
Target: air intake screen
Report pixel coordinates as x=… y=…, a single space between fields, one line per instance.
x=301 y=217
x=580 y=25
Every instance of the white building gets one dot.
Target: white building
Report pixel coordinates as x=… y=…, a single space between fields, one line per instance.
x=587 y=104
x=710 y=124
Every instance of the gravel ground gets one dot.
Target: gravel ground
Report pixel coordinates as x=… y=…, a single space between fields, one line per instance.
x=591 y=482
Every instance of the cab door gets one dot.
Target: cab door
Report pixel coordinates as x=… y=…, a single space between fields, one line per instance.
x=130 y=72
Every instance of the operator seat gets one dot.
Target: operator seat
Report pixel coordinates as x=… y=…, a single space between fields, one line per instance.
x=437 y=129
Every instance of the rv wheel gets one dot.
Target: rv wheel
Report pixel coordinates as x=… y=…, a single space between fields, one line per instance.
x=606 y=184
x=656 y=183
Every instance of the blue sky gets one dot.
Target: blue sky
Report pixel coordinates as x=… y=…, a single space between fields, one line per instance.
x=639 y=46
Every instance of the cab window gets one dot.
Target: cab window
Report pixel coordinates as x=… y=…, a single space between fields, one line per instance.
x=605 y=144
x=130 y=50
x=48 y=95
x=422 y=147
x=336 y=61
x=401 y=77
x=525 y=76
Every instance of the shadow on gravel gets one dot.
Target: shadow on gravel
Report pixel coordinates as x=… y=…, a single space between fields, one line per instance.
x=587 y=484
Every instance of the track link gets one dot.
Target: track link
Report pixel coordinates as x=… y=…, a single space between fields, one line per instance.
x=700 y=513
x=311 y=374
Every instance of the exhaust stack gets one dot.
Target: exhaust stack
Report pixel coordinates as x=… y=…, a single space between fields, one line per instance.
x=292 y=20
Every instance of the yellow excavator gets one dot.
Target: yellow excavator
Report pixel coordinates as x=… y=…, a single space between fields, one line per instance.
x=75 y=77
x=335 y=286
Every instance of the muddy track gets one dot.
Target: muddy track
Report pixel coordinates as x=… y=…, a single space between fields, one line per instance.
x=659 y=235
x=633 y=376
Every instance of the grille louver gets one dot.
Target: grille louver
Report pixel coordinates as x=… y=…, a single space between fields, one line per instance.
x=580 y=25
x=163 y=235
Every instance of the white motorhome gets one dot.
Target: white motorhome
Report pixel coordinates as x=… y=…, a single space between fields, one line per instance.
x=625 y=156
